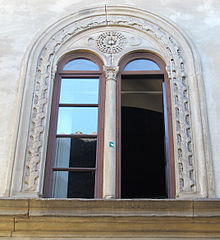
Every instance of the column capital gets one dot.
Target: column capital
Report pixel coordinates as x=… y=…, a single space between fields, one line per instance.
x=111 y=72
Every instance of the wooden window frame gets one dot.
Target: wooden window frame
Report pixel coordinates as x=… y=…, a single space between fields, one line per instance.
x=169 y=150
x=54 y=118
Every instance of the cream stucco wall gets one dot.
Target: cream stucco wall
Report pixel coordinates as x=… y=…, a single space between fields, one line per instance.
x=21 y=21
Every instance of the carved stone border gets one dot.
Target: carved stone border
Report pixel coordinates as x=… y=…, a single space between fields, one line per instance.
x=192 y=160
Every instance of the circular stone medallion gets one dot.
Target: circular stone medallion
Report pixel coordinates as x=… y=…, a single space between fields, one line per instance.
x=111 y=42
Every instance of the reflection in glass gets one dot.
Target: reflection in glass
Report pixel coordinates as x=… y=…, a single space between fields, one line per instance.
x=81 y=65
x=141 y=83
x=79 y=90
x=145 y=101
x=81 y=120
x=141 y=65
x=75 y=152
x=62 y=154
x=142 y=92
x=60 y=183
x=73 y=184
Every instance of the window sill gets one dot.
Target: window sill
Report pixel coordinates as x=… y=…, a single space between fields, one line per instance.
x=109 y=218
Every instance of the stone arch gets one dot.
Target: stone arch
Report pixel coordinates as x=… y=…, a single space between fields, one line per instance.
x=192 y=154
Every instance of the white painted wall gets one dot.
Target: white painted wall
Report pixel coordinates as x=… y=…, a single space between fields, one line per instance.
x=22 y=20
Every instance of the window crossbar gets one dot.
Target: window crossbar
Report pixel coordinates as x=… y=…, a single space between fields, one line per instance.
x=75 y=169
x=76 y=135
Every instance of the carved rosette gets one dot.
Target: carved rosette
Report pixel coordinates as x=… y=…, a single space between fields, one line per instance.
x=110 y=43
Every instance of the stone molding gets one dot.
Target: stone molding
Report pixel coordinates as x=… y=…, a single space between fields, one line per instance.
x=164 y=219
x=193 y=167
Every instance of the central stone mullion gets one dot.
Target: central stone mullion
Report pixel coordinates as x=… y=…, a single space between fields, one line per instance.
x=109 y=166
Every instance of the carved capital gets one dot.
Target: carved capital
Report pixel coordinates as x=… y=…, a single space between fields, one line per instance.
x=111 y=72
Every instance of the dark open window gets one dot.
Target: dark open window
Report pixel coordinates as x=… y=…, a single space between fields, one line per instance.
x=145 y=156
x=74 y=169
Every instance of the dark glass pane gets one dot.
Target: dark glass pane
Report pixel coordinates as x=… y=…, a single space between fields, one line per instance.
x=141 y=83
x=75 y=152
x=145 y=101
x=81 y=65
x=79 y=90
x=73 y=184
x=81 y=185
x=82 y=120
x=142 y=92
x=83 y=152
x=141 y=65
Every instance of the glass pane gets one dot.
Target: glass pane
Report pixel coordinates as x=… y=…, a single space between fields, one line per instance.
x=143 y=101
x=62 y=153
x=83 y=152
x=141 y=83
x=81 y=185
x=81 y=120
x=75 y=152
x=79 y=90
x=81 y=65
x=141 y=65
x=60 y=184
x=73 y=184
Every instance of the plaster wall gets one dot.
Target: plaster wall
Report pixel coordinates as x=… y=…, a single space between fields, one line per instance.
x=21 y=20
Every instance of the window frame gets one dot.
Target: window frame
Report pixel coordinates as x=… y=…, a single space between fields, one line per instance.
x=169 y=144
x=47 y=191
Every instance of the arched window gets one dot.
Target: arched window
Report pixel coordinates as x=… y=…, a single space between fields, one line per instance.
x=145 y=156
x=76 y=133
x=193 y=164
x=144 y=145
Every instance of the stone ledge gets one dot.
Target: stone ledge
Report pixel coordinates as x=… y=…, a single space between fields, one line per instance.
x=206 y=208
x=49 y=207
x=13 y=207
x=75 y=218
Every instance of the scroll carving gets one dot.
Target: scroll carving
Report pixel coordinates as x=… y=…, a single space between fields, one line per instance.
x=112 y=43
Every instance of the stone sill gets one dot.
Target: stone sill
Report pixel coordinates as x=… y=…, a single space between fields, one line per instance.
x=109 y=218
x=102 y=207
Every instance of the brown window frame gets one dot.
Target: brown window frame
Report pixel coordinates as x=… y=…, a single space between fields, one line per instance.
x=169 y=151
x=47 y=191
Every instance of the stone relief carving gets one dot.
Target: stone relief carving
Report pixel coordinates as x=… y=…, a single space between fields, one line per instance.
x=91 y=41
x=113 y=42
x=111 y=72
x=134 y=41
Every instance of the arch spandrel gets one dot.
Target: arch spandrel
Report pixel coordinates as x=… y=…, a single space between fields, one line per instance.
x=108 y=38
